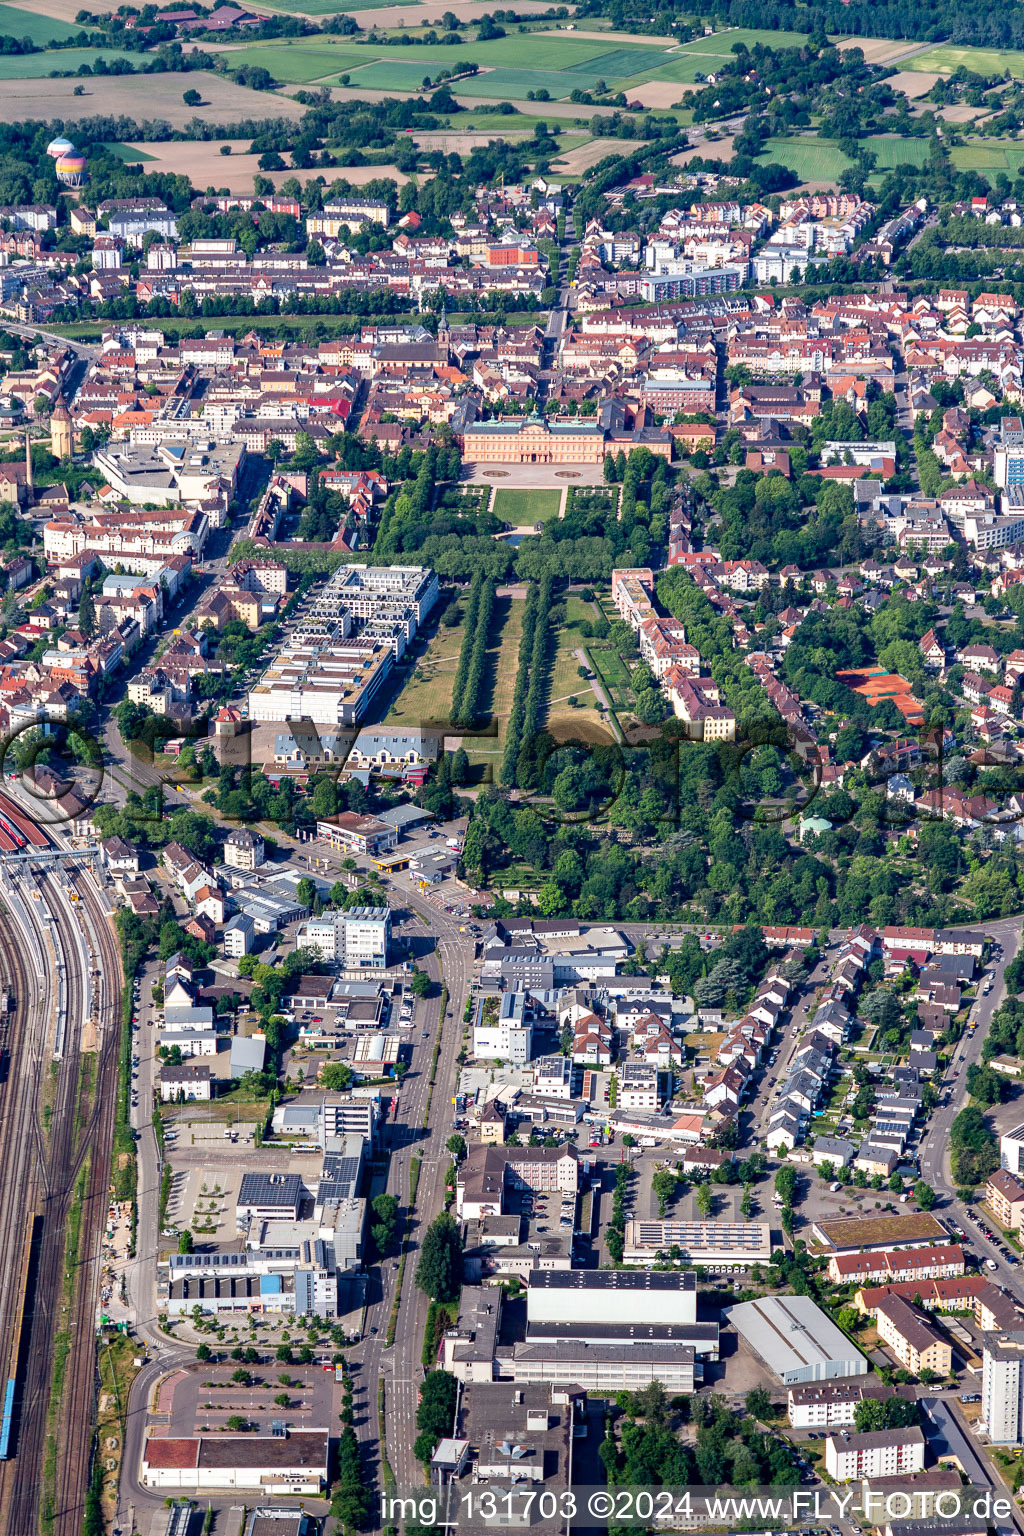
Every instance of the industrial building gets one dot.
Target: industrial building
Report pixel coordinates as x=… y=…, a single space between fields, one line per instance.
x=294 y=1462
x=856 y=1234
x=795 y=1339
x=612 y=1366
x=611 y=1296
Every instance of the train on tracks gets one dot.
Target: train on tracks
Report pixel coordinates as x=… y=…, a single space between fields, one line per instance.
x=18 y=832
x=7 y=1435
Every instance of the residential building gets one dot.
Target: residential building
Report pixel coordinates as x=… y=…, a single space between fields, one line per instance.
x=918 y=1345
x=879 y=1453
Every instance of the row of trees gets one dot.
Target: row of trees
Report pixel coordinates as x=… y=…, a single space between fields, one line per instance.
x=517 y=715
x=468 y=687
x=530 y=748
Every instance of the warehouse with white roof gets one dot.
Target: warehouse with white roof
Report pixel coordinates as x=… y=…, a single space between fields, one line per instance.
x=796 y=1339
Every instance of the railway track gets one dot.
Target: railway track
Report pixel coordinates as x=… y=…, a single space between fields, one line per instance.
x=93 y=1136
x=22 y=1154
x=41 y=1173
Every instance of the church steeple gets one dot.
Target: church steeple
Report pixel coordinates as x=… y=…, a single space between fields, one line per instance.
x=443 y=333
x=28 y=467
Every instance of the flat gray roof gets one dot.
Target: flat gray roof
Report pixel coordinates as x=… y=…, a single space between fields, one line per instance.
x=795 y=1339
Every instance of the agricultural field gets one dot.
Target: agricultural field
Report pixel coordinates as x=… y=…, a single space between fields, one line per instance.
x=706 y=54
x=989 y=155
x=507 y=64
x=680 y=68
x=204 y=165
x=129 y=153
x=522 y=508
x=914 y=83
x=485 y=121
x=143 y=98
x=298 y=63
x=945 y=58
x=890 y=153
x=877 y=50
x=813 y=160
x=41 y=30
x=721 y=43
x=575 y=162
x=35 y=66
x=324 y=7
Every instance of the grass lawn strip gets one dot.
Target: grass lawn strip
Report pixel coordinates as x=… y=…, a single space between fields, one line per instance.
x=522 y=507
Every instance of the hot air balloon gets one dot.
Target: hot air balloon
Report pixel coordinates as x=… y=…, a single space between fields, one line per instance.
x=59 y=147
x=71 y=169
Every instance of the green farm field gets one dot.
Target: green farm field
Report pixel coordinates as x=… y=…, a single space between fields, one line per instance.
x=41 y=30
x=327 y=7
x=128 y=153
x=810 y=159
x=982 y=61
x=988 y=155
x=298 y=65
x=36 y=66
x=526 y=506
x=889 y=153
x=722 y=42
x=680 y=68
x=398 y=75
x=509 y=65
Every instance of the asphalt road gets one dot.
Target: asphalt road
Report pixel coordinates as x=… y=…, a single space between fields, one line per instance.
x=947 y=1436
x=934 y=1152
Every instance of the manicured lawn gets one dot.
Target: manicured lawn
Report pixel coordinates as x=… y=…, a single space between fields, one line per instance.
x=428 y=693
x=527 y=506
x=981 y=61
x=37 y=66
x=566 y=681
x=40 y=30
x=811 y=159
x=610 y=664
x=503 y=663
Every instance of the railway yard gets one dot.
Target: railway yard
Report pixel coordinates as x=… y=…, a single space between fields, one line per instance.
x=59 y=969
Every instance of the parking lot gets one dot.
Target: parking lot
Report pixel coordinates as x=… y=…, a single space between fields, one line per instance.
x=211 y=1397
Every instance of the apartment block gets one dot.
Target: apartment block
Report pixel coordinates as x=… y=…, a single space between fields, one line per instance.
x=880 y=1453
